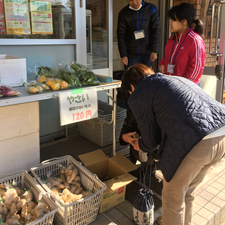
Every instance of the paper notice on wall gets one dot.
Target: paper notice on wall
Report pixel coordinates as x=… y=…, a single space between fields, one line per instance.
x=17 y=17
x=41 y=17
x=2 y=18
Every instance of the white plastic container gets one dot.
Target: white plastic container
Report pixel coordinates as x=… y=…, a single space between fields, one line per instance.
x=13 y=70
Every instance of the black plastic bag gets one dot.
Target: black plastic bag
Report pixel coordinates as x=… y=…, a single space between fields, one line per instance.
x=143 y=206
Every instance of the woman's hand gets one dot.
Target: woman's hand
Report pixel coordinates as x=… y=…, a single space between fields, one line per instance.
x=125 y=60
x=162 y=69
x=130 y=139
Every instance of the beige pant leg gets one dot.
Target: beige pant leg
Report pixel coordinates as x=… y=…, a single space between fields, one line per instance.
x=178 y=194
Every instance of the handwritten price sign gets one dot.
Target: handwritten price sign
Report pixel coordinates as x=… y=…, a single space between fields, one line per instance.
x=78 y=105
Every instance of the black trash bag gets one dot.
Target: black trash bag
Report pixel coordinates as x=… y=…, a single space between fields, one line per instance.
x=143 y=206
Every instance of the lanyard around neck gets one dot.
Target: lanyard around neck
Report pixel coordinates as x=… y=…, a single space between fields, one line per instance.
x=178 y=48
x=141 y=18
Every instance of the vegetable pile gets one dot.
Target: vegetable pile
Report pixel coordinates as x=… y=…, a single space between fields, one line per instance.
x=75 y=75
x=67 y=187
x=17 y=206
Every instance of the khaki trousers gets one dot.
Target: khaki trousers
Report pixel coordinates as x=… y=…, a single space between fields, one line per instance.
x=178 y=194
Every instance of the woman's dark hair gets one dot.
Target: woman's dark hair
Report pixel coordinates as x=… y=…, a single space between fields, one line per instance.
x=186 y=11
x=133 y=75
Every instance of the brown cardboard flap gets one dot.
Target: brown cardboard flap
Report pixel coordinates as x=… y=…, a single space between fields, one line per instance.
x=93 y=157
x=120 y=181
x=123 y=162
x=96 y=162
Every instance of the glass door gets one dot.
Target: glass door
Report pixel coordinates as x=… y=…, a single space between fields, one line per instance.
x=99 y=36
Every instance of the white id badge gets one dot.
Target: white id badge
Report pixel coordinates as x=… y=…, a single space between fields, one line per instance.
x=139 y=34
x=170 y=68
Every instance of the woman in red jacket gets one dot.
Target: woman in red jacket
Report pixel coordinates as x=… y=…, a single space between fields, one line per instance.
x=185 y=50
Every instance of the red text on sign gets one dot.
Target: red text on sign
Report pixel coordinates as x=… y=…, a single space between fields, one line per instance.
x=82 y=115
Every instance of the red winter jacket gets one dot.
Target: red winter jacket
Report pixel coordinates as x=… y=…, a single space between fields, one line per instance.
x=190 y=59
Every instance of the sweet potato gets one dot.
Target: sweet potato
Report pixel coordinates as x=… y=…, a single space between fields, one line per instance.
x=77 y=178
x=21 y=203
x=2 y=191
x=66 y=192
x=61 y=186
x=79 y=190
x=68 y=179
x=13 y=209
x=67 y=186
x=55 y=190
x=24 y=211
x=31 y=206
x=10 y=195
x=18 y=190
x=2 y=186
x=28 y=195
x=73 y=189
x=86 y=193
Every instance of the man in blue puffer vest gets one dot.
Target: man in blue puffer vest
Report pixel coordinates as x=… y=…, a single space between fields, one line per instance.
x=186 y=125
x=138 y=32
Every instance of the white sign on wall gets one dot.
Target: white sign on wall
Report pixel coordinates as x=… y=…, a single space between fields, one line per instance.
x=78 y=105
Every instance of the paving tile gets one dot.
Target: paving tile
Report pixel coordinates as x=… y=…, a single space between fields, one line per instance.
x=206 y=214
x=223 y=176
x=218 y=186
x=201 y=201
x=221 y=195
x=96 y=222
x=217 y=201
x=115 y=214
x=212 y=208
x=206 y=195
x=199 y=220
x=125 y=221
x=197 y=207
x=103 y=219
x=209 y=182
x=221 y=180
x=198 y=190
x=212 y=190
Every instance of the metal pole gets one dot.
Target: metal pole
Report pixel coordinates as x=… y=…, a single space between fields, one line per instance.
x=114 y=121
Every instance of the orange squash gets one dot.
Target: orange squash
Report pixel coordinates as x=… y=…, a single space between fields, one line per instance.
x=63 y=85
x=41 y=79
x=55 y=86
x=49 y=82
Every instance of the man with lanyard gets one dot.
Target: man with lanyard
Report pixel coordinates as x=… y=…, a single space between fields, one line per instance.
x=138 y=33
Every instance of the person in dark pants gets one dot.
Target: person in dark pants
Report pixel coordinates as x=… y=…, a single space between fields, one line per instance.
x=138 y=33
x=188 y=126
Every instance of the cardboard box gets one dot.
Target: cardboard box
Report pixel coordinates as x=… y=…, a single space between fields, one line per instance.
x=116 y=169
x=13 y=70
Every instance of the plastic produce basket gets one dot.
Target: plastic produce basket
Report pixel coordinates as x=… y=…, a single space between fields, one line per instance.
x=83 y=211
x=99 y=130
x=23 y=180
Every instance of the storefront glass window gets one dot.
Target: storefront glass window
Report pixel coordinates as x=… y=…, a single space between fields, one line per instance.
x=31 y=19
x=97 y=34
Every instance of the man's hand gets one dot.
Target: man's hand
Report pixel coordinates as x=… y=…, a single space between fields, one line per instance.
x=162 y=69
x=125 y=60
x=153 y=56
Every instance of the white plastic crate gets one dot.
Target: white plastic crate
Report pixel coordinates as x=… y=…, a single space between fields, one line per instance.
x=99 y=130
x=81 y=212
x=23 y=180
